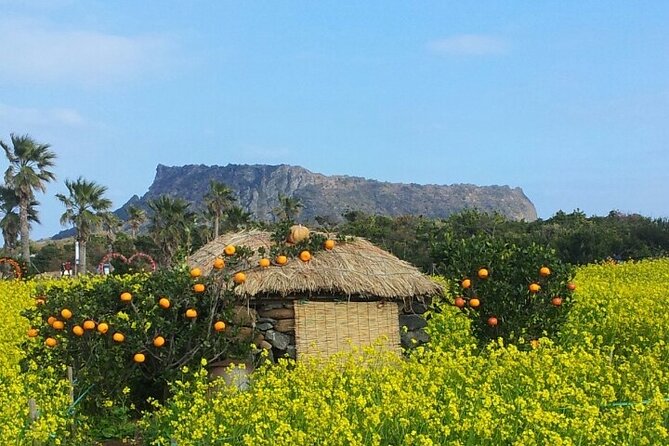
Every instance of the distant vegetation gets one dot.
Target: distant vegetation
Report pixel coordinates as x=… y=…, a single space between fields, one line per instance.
x=170 y=228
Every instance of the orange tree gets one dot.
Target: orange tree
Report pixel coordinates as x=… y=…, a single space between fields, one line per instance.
x=127 y=336
x=519 y=293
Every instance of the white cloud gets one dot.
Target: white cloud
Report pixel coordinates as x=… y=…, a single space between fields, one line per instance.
x=21 y=117
x=37 y=52
x=469 y=45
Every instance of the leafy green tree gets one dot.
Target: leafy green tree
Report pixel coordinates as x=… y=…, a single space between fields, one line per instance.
x=136 y=218
x=29 y=170
x=219 y=199
x=85 y=209
x=10 y=222
x=170 y=227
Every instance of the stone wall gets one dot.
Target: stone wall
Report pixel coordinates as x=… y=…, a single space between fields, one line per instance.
x=270 y=324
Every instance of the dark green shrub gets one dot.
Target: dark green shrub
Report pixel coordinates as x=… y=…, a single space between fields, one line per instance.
x=520 y=314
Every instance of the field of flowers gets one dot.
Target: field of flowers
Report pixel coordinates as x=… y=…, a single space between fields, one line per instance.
x=604 y=380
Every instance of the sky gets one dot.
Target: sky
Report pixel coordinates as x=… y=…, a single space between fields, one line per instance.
x=568 y=100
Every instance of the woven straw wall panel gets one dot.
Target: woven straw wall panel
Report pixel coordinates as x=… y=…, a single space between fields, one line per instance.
x=325 y=328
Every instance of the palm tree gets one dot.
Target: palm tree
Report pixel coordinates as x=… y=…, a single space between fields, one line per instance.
x=289 y=208
x=237 y=218
x=170 y=226
x=85 y=208
x=219 y=198
x=136 y=218
x=28 y=171
x=10 y=223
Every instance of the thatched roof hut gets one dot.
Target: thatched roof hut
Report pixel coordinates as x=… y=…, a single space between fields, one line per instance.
x=353 y=268
x=299 y=304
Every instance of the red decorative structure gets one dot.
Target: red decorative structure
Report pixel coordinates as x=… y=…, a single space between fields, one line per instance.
x=108 y=257
x=141 y=255
x=16 y=272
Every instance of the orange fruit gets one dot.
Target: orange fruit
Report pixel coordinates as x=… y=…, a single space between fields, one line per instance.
x=126 y=297
x=51 y=320
x=483 y=273
x=158 y=341
x=230 y=250
x=329 y=244
x=89 y=325
x=556 y=301
x=50 y=342
x=544 y=271
x=164 y=303
x=459 y=302
x=219 y=263
x=77 y=330
x=103 y=327
x=239 y=278
x=281 y=260
x=219 y=326
x=492 y=321
x=33 y=332
x=67 y=314
x=58 y=325
x=474 y=302
x=198 y=288
x=195 y=273
x=571 y=286
x=191 y=313
x=466 y=283
x=534 y=287
x=534 y=343
x=263 y=263
x=305 y=256
x=39 y=301
x=139 y=358
x=118 y=337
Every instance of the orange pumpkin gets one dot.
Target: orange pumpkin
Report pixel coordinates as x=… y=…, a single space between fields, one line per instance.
x=474 y=302
x=118 y=337
x=89 y=325
x=32 y=332
x=164 y=303
x=50 y=342
x=103 y=327
x=126 y=297
x=297 y=233
x=195 y=273
x=329 y=244
x=139 y=358
x=263 y=263
x=219 y=263
x=534 y=287
x=198 y=288
x=158 y=341
x=544 y=271
x=191 y=313
x=77 y=330
x=230 y=250
x=281 y=260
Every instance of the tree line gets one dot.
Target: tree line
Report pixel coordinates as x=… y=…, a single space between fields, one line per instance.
x=170 y=228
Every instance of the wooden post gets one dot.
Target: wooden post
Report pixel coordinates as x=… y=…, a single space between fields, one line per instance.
x=32 y=413
x=70 y=379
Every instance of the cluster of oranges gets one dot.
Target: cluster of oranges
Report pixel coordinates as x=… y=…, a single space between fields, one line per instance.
x=65 y=316
x=483 y=273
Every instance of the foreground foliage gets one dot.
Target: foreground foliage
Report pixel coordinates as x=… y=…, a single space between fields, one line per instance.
x=606 y=384
x=45 y=385
x=603 y=382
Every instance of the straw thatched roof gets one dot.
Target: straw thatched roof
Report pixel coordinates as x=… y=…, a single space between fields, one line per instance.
x=352 y=268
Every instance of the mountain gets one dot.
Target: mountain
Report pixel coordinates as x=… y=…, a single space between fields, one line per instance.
x=258 y=187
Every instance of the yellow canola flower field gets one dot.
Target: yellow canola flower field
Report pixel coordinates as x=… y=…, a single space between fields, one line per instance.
x=604 y=382
x=42 y=384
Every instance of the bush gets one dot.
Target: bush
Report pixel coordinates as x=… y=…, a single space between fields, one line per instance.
x=491 y=279
x=107 y=372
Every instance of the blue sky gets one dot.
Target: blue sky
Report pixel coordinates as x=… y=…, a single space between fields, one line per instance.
x=568 y=100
